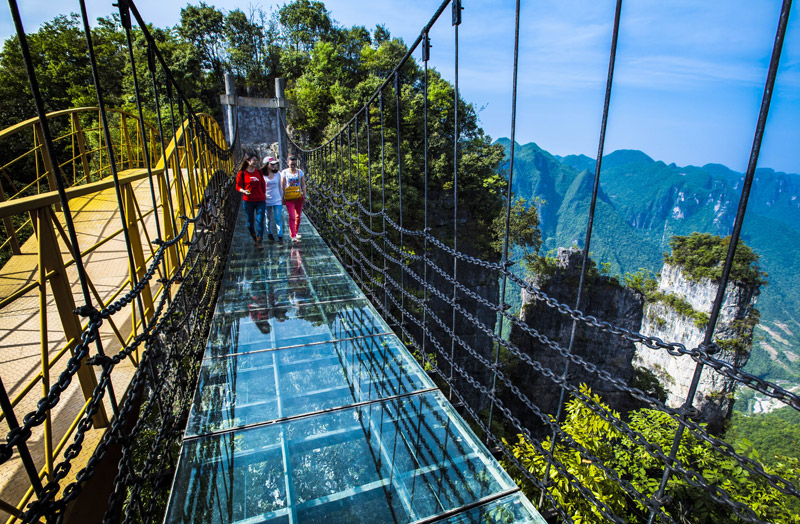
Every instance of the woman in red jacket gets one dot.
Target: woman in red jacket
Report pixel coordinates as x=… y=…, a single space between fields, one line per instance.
x=250 y=182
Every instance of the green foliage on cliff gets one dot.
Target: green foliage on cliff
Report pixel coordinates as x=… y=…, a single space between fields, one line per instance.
x=523 y=232
x=773 y=435
x=681 y=306
x=644 y=282
x=632 y=463
x=702 y=255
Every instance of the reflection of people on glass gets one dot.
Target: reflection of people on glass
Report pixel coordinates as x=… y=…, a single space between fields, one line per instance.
x=262 y=308
x=298 y=288
x=296 y=263
x=250 y=182
x=274 y=199
x=259 y=309
x=294 y=193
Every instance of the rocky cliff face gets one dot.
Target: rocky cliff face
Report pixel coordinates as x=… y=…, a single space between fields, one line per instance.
x=678 y=313
x=603 y=298
x=662 y=319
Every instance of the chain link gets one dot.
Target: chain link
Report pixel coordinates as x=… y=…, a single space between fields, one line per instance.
x=201 y=268
x=341 y=224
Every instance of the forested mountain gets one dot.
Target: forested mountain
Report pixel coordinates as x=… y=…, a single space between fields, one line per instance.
x=642 y=203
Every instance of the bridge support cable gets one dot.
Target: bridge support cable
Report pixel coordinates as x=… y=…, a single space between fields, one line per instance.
x=509 y=196
x=708 y=346
x=383 y=203
x=86 y=377
x=426 y=55
x=125 y=17
x=160 y=383
x=170 y=226
x=456 y=21
x=397 y=97
x=592 y=206
x=407 y=262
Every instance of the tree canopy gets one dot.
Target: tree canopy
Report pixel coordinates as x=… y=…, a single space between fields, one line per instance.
x=702 y=255
x=632 y=463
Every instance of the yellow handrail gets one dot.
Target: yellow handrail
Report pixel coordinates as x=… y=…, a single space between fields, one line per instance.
x=40 y=268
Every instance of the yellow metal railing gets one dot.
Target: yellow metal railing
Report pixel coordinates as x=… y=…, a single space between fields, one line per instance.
x=39 y=272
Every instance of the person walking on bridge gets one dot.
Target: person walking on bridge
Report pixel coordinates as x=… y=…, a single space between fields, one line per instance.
x=294 y=193
x=251 y=183
x=274 y=199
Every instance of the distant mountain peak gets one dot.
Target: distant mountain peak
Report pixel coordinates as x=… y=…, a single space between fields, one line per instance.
x=626 y=156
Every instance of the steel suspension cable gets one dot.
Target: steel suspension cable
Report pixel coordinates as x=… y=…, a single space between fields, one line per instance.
x=188 y=145
x=592 y=206
x=426 y=55
x=125 y=17
x=456 y=21
x=358 y=186
x=151 y=64
x=766 y=99
x=177 y=156
x=509 y=185
x=383 y=204
x=400 y=191
x=369 y=189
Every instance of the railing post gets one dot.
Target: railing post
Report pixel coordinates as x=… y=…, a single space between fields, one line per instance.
x=65 y=302
x=48 y=162
x=80 y=138
x=45 y=352
x=127 y=138
x=135 y=239
x=188 y=146
x=11 y=232
x=169 y=232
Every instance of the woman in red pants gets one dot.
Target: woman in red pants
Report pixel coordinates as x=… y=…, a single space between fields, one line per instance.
x=294 y=192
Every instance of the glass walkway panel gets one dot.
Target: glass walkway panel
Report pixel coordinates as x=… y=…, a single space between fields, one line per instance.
x=309 y=409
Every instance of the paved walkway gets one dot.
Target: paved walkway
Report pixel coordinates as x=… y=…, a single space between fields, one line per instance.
x=96 y=218
x=308 y=409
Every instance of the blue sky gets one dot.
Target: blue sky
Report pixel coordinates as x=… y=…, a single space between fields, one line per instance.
x=688 y=82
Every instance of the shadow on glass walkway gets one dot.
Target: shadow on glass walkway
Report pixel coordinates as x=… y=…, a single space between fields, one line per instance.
x=308 y=409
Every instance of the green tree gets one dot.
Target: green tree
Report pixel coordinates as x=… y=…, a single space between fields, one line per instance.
x=203 y=26
x=634 y=464
x=303 y=23
x=702 y=255
x=523 y=231
x=245 y=43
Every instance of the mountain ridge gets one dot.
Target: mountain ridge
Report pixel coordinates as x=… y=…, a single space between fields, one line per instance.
x=643 y=202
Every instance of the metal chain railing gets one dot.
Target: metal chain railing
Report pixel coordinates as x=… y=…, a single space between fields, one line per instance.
x=413 y=275
x=150 y=420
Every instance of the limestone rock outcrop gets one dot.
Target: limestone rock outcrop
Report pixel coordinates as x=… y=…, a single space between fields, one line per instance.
x=677 y=312
x=734 y=330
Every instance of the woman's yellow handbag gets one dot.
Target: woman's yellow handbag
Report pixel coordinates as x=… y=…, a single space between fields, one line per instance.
x=292 y=193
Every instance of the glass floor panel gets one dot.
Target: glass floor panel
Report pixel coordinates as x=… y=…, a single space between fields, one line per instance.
x=248 y=295
x=261 y=387
x=277 y=252
x=261 y=327
x=398 y=460
x=308 y=409
x=263 y=268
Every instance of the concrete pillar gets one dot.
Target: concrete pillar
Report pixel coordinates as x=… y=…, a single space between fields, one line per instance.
x=280 y=83
x=230 y=90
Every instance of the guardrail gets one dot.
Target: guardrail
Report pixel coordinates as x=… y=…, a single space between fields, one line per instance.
x=35 y=232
